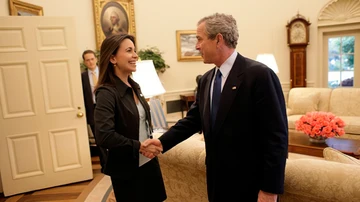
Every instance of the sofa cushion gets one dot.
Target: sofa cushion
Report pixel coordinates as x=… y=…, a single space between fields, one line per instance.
x=303 y=92
x=302 y=103
x=345 y=102
x=331 y=154
x=352 y=124
x=292 y=119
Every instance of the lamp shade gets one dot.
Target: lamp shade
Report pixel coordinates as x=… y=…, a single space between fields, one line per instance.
x=268 y=60
x=146 y=76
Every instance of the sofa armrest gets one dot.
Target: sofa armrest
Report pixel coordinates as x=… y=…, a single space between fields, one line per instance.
x=189 y=153
x=288 y=111
x=183 y=170
x=318 y=180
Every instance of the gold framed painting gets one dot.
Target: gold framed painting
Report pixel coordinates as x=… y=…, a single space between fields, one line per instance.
x=113 y=17
x=20 y=8
x=186 y=46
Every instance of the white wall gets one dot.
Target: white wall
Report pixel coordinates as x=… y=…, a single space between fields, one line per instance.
x=261 y=26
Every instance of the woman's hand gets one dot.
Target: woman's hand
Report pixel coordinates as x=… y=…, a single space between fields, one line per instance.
x=151 y=148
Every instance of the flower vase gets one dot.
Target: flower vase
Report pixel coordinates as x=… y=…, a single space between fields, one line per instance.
x=317 y=139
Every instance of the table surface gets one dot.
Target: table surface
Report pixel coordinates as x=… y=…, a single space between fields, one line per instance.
x=188 y=97
x=299 y=143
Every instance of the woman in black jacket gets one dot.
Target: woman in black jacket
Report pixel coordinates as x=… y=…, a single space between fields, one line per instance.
x=122 y=123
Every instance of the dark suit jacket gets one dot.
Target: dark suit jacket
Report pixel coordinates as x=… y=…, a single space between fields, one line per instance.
x=247 y=150
x=88 y=99
x=117 y=129
x=117 y=126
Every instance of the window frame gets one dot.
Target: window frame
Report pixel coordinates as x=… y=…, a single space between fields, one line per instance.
x=326 y=32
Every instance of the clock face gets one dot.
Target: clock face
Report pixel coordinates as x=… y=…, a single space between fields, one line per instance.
x=298 y=33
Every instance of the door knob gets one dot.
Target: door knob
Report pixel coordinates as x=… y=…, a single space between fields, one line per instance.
x=80 y=114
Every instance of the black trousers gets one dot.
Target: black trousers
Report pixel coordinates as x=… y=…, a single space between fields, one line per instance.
x=144 y=185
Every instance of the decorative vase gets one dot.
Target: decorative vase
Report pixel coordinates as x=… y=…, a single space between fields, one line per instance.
x=317 y=139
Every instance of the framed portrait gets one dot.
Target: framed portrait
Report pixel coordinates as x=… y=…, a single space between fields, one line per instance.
x=113 y=17
x=185 y=42
x=20 y=8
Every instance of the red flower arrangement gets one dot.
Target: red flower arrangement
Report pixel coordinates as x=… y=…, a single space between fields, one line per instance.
x=320 y=124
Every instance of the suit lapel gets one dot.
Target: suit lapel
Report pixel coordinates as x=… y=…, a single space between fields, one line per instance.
x=229 y=91
x=206 y=114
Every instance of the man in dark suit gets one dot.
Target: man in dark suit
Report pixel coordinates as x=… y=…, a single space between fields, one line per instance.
x=89 y=79
x=242 y=115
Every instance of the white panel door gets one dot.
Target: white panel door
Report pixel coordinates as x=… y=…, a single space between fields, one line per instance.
x=43 y=134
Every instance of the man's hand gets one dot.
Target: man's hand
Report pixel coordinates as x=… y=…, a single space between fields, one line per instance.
x=151 y=148
x=155 y=142
x=266 y=197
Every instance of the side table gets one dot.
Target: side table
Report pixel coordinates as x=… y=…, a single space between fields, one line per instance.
x=186 y=100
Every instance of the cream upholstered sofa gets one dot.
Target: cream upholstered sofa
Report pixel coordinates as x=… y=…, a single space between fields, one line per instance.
x=343 y=102
x=310 y=180
x=335 y=179
x=183 y=169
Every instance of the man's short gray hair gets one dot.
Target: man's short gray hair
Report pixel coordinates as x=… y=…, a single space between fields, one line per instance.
x=223 y=24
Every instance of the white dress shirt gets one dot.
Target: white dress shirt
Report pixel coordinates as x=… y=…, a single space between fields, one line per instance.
x=225 y=70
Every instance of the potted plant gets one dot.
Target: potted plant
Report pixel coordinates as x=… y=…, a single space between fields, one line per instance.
x=154 y=54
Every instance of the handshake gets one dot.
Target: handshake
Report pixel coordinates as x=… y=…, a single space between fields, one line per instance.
x=151 y=148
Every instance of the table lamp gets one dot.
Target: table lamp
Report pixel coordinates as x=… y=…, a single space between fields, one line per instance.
x=268 y=60
x=146 y=76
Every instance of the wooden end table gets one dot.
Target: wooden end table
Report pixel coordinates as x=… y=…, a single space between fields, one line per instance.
x=299 y=143
x=186 y=101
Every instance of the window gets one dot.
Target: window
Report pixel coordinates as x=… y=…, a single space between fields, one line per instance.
x=339 y=44
x=341 y=52
x=341 y=61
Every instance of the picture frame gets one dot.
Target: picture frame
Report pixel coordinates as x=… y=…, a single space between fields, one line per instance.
x=186 y=46
x=112 y=17
x=20 y=8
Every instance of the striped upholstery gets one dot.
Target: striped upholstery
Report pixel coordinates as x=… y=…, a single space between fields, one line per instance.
x=157 y=115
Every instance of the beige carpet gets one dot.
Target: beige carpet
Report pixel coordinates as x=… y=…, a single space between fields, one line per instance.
x=99 y=190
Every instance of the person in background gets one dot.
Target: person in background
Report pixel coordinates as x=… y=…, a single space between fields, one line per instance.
x=89 y=80
x=123 y=122
x=240 y=109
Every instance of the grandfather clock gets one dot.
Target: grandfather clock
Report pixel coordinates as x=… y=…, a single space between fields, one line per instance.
x=298 y=39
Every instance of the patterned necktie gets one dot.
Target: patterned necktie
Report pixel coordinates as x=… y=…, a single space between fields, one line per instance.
x=216 y=97
x=94 y=77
